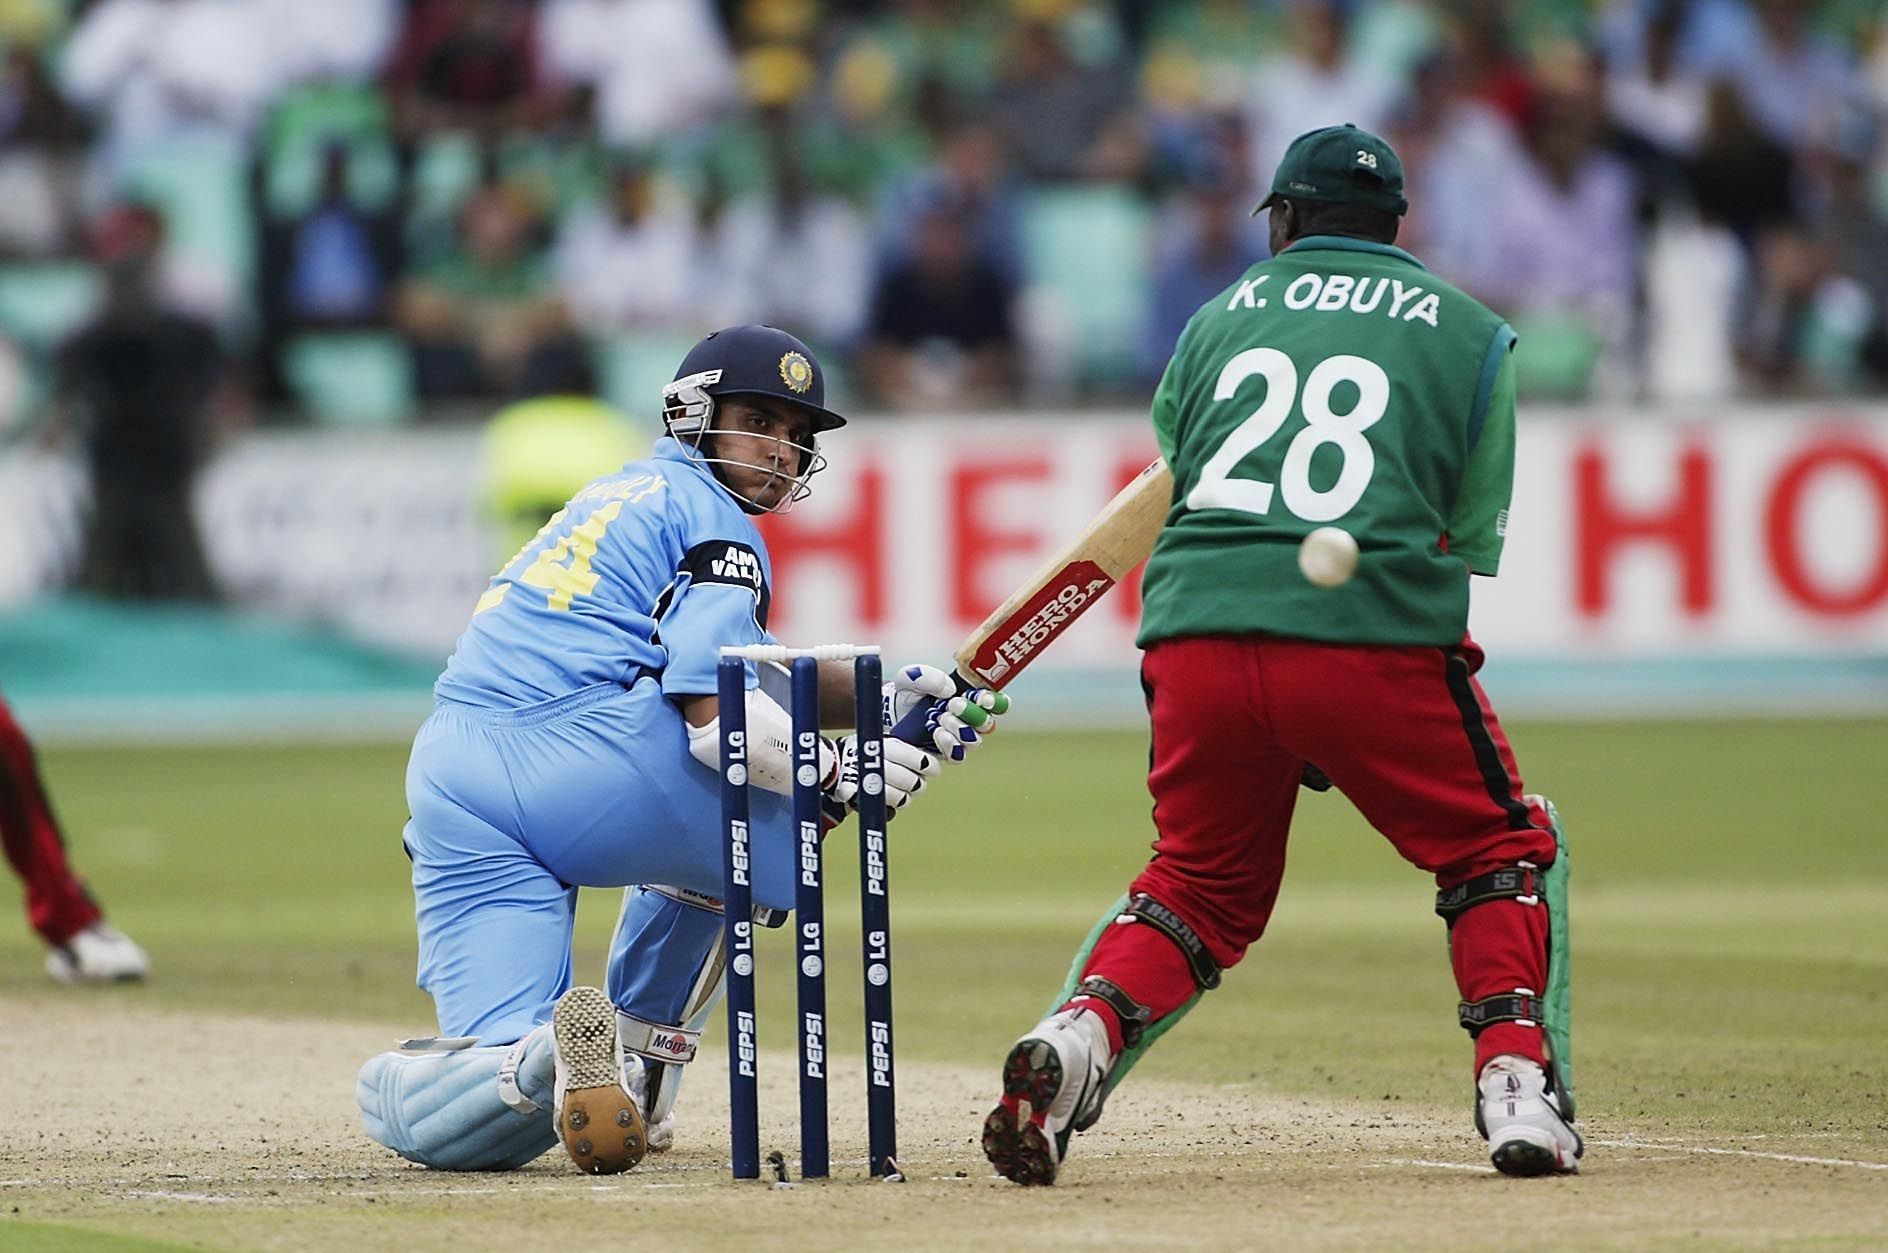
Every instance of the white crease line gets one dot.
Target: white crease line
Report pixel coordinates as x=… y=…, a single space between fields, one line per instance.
x=205 y=1197
x=1714 y=1152
x=1418 y=1161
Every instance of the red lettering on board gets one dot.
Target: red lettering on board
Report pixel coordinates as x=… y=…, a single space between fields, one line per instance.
x=855 y=541
x=976 y=538
x=1604 y=527
x=1783 y=517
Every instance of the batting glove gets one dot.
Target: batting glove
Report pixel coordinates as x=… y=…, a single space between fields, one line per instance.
x=907 y=767
x=923 y=707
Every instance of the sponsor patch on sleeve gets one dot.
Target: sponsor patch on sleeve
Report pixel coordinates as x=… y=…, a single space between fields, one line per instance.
x=732 y=563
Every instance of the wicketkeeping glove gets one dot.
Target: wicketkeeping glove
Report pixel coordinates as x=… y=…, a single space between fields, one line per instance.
x=923 y=707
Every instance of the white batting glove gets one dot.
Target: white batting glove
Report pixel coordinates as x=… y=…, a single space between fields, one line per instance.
x=906 y=769
x=923 y=707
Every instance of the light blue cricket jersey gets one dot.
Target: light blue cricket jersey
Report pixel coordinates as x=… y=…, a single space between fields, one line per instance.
x=651 y=569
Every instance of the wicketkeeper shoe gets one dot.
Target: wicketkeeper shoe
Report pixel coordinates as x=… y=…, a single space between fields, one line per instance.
x=99 y=954
x=1521 y=1121
x=597 y=1121
x=1052 y=1087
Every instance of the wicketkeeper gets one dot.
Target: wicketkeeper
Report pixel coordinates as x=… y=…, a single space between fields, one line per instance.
x=1337 y=384
x=574 y=742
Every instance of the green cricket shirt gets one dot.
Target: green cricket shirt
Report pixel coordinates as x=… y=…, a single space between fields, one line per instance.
x=1336 y=384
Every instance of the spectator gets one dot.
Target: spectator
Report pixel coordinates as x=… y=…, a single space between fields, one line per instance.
x=41 y=161
x=1791 y=78
x=635 y=260
x=1652 y=95
x=1314 y=82
x=972 y=170
x=661 y=69
x=140 y=384
x=1740 y=176
x=1062 y=119
x=333 y=265
x=1457 y=146
x=164 y=70
x=1852 y=230
x=465 y=65
x=1204 y=242
x=941 y=330
x=793 y=256
x=483 y=317
x=1560 y=237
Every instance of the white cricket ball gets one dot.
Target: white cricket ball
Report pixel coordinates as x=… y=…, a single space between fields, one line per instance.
x=1328 y=556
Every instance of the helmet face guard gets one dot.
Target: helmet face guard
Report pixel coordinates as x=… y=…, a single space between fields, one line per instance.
x=688 y=414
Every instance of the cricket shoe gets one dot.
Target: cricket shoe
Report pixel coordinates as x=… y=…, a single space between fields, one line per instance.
x=597 y=1121
x=1521 y=1121
x=1053 y=1082
x=99 y=954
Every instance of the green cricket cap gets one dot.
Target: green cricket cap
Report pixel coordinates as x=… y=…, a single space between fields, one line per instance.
x=1340 y=165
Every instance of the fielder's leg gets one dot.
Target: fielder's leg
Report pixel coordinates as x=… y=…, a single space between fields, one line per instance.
x=84 y=947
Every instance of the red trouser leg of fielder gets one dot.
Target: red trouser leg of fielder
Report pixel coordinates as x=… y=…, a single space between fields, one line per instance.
x=57 y=904
x=1405 y=732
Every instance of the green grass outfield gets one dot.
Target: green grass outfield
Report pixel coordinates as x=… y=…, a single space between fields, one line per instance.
x=1730 y=914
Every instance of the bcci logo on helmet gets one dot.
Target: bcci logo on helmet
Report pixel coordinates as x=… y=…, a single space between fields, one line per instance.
x=796 y=371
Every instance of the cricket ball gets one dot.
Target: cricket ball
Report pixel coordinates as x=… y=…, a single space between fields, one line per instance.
x=1328 y=556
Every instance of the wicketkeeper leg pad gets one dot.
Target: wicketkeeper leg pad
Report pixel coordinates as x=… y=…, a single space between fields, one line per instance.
x=453 y=1105
x=1552 y=1007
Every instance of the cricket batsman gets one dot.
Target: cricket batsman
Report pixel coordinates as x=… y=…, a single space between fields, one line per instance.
x=574 y=741
x=1338 y=384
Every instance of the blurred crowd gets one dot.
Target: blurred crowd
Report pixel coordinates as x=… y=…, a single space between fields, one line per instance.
x=363 y=210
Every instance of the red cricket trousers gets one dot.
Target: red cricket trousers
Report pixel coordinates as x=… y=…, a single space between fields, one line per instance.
x=1405 y=732
x=57 y=904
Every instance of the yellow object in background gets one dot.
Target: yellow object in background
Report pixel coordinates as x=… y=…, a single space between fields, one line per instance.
x=536 y=454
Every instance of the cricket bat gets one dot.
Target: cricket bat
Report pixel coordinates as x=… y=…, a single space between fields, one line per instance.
x=1118 y=539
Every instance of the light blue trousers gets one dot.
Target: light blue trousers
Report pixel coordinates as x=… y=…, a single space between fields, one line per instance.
x=512 y=810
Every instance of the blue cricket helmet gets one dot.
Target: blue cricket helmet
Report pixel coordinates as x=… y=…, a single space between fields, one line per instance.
x=754 y=360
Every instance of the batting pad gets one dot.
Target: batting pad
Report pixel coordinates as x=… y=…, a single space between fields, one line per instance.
x=1151 y=1033
x=1559 y=1001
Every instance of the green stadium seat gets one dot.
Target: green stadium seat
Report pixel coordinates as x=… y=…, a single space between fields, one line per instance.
x=351 y=378
x=1087 y=249
x=632 y=370
x=202 y=190
x=44 y=302
x=1558 y=353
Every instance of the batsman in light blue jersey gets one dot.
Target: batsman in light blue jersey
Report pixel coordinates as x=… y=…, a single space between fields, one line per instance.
x=574 y=743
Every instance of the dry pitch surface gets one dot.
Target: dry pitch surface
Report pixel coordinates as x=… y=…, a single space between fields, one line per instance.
x=233 y=1132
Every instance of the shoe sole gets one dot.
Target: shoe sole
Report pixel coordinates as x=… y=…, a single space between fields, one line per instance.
x=1527 y=1157
x=598 y=1124
x=1014 y=1138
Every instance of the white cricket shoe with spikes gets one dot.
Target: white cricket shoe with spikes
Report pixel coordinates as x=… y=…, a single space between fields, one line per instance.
x=99 y=954
x=1052 y=1085
x=1521 y=1121
x=598 y=1122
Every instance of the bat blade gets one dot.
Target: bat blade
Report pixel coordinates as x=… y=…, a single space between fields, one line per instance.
x=1108 y=549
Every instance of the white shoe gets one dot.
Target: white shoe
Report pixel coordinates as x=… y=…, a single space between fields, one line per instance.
x=1521 y=1121
x=597 y=1121
x=99 y=954
x=1052 y=1086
